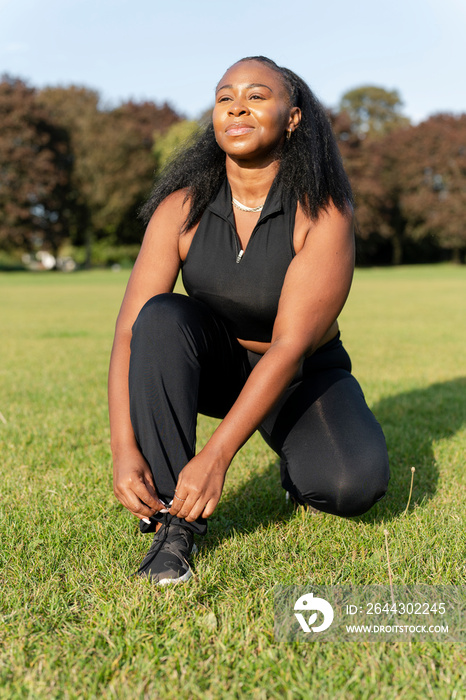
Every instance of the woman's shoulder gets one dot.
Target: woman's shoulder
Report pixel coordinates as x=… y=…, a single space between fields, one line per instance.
x=328 y=212
x=175 y=206
x=170 y=217
x=329 y=217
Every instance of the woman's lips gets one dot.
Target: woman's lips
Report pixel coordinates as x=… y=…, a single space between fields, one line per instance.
x=238 y=129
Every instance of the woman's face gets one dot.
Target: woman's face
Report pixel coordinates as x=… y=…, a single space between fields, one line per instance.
x=252 y=112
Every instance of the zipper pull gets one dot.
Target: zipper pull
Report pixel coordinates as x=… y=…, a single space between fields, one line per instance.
x=239 y=256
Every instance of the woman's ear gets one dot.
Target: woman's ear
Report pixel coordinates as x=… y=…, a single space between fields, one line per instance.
x=295 y=119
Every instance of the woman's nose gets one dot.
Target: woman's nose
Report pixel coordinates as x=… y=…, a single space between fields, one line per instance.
x=237 y=108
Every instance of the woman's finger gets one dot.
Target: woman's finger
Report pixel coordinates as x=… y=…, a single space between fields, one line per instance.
x=209 y=508
x=196 y=511
x=137 y=507
x=149 y=484
x=184 y=505
x=177 y=505
x=198 y=506
x=146 y=495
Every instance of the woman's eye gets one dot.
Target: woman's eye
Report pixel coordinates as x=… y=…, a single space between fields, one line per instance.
x=256 y=97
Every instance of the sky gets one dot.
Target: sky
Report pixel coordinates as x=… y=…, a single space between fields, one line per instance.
x=176 y=51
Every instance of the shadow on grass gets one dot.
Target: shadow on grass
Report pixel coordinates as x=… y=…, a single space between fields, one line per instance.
x=412 y=422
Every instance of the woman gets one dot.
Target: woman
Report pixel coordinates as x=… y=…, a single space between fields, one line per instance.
x=257 y=214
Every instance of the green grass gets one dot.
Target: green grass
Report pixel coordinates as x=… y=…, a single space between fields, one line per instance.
x=73 y=622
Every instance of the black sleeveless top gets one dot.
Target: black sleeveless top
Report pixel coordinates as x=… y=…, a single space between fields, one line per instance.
x=244 y=293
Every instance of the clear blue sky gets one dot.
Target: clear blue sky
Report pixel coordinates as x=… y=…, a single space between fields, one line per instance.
x=177 y=51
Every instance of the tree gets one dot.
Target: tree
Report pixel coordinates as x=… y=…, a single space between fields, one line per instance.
x=372 y=165
x=167 y=144
x=411 y=186
x=434 y=180
x=361 y=167
x=373 y=110
x=35 y=169
x=113 y=165
x=75 y=109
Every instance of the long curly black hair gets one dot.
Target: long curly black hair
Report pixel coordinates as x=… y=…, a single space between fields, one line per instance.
x=310 y=169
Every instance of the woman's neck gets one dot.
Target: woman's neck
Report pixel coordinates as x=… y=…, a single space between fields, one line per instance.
x=250 y=185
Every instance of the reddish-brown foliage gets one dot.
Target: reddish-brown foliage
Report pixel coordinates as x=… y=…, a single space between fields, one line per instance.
x=35 y=167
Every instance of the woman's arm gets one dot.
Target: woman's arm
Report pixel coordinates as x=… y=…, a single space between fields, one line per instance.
x=154 y=272
x=316 y=286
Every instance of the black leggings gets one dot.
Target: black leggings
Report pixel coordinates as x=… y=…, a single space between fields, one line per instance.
x=184 y=361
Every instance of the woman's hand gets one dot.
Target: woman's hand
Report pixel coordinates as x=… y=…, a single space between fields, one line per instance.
x=199 y=487
x=133 y=484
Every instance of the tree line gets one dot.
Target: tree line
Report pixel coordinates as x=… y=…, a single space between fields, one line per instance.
x=73 y=173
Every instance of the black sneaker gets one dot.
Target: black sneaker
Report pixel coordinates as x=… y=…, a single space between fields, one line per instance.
x=166 y=561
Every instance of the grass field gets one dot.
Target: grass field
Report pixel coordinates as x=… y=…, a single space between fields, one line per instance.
x=73 y=622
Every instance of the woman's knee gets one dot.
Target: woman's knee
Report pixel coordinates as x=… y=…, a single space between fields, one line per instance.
x=162 y=311
x=356 y=498
x=159 y=335
x=345 y=492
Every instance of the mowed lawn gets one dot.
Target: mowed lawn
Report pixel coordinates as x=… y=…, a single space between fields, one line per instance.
x=74 y=624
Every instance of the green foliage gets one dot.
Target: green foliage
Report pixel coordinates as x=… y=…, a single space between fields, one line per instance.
x=373 y=110
x=167 y=144
x=104 y=254
x=74 y=624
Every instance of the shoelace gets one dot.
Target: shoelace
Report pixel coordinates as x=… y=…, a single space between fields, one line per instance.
x=154 y=550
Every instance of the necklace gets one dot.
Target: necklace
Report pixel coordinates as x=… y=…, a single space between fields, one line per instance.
x=243 y=207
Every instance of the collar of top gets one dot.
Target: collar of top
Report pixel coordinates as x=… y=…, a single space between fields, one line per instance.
x=222 y=206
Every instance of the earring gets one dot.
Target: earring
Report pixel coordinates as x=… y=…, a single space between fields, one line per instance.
x=288 y=134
